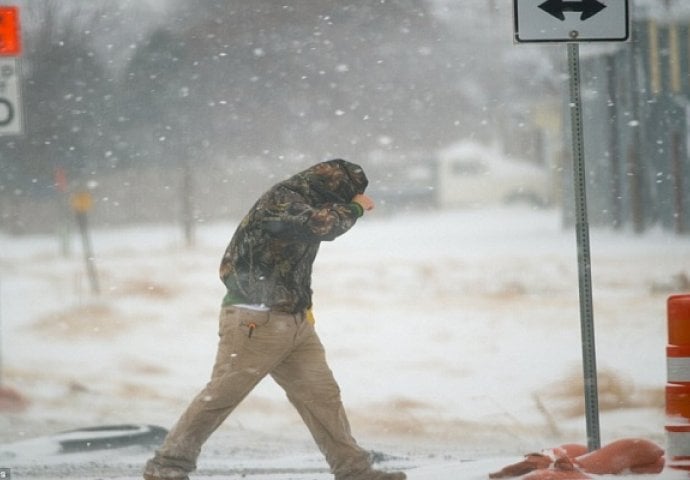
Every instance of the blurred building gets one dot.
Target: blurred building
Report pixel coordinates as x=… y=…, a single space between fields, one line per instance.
x=635 y=109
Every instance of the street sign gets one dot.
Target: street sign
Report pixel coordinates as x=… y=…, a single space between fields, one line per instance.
x=10 y=103
x=10 y=40
x=571 y=20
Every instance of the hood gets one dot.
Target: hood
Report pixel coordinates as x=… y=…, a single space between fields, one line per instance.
x=333 y=181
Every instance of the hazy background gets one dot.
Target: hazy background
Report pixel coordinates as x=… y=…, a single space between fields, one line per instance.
x=173 y=109
x=174 y=113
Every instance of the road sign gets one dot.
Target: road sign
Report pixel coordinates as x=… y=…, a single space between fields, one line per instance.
x=81 y=201
x=10 y=41
x=10 y=103
x=571 y=20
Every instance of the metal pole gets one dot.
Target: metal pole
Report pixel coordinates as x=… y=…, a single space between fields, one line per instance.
x=583 y=253
x=89 y=260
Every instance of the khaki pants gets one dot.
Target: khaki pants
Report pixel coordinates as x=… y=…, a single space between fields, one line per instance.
x=252 y=345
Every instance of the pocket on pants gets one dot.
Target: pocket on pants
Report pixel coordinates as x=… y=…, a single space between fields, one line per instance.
x=228 y=321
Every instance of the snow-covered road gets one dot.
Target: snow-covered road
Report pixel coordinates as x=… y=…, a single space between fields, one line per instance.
x=454 y=336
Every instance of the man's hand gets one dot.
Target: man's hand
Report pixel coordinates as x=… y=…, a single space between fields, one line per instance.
x=364 y=201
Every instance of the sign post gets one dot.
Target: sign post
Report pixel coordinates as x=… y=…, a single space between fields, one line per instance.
x=82 y=201
x=571 y=22
x=589 y=363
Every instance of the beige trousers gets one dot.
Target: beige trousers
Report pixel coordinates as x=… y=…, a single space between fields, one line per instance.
x=254 y=344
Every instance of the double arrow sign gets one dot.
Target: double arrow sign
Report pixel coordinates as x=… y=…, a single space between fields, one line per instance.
x=571 y=20
x=557 y=8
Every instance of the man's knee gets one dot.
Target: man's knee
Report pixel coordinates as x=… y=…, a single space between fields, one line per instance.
x=322 y=392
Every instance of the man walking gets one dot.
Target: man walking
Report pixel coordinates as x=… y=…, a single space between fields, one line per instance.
x=266 y=325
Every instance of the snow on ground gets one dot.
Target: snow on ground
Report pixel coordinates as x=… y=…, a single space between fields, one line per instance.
x=455 y=337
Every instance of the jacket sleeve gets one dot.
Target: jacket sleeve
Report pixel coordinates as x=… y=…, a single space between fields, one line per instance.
x=297 y=220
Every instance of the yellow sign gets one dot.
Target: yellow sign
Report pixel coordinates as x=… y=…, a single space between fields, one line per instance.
x=82 y=202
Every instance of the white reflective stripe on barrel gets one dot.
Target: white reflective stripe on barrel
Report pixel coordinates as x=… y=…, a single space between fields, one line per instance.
x=678 y=442
x=678 y=369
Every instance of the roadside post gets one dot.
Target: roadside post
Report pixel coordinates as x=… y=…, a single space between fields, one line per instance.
x=573 y=22
x=82 y=201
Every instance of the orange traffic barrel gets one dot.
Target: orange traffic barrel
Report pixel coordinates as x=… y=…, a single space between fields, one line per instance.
x=678 y=382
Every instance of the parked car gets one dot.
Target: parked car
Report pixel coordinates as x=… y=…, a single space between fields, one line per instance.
x=473 y=175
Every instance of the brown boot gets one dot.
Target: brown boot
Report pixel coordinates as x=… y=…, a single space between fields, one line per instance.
x=150 y=476
x=153 y=471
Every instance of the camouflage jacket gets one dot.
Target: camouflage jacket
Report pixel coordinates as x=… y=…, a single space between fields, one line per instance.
x=269 y=259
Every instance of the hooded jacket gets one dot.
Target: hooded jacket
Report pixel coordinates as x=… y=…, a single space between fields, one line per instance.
x=269 y=259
